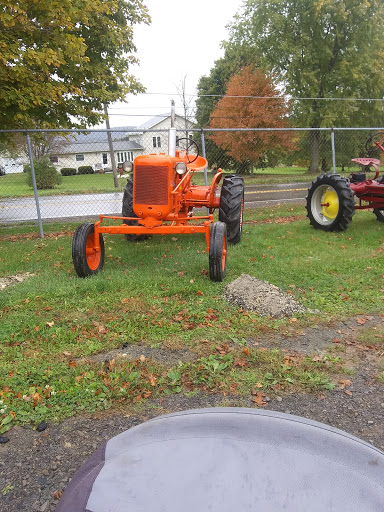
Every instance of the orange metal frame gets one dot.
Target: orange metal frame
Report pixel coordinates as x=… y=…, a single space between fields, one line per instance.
x=184 y=197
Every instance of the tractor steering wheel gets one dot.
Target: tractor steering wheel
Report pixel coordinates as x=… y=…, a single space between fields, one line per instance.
x=371 y=145
x=185 y=145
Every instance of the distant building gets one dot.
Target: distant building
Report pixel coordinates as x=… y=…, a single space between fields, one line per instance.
x=128 y=142
x=9 y=165
x=92 y=148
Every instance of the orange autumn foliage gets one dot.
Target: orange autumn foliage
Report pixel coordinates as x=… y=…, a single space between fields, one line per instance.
x=264 y=109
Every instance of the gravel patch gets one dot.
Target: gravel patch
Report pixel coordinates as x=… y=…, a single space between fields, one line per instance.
x=264 y=298
x=10 y=280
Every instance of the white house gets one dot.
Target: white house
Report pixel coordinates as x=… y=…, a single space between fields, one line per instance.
x=93 y=149
x=95 y=154
x=11 y=165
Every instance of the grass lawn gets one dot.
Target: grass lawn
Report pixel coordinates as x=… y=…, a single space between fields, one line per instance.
x=157 y=294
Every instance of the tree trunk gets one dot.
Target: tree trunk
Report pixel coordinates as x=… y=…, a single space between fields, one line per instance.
x=314 y=151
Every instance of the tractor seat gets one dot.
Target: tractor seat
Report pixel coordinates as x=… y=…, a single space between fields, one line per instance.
x=228 y=459
x=366 y=161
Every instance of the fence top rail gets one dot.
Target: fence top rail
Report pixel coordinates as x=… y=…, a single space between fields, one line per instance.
x=199 y=130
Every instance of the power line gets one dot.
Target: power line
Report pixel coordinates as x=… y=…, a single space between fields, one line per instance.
x=265 y=97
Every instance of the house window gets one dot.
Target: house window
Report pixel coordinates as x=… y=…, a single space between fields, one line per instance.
x=79 y=158
x=54 y=159
x=105 y=158
x=156 y=142
x=124 y=156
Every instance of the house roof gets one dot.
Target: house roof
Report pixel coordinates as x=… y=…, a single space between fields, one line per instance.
x=151 y=123
x=98 y=147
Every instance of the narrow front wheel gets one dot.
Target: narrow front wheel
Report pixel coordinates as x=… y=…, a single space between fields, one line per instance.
x=87 y=256
x=218 y=251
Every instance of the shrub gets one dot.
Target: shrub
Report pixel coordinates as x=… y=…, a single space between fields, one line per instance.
x=45 y=173
x=68 y=171
x=85 y=169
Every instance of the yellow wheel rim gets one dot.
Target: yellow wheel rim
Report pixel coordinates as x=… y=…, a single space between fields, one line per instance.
x=330 y=204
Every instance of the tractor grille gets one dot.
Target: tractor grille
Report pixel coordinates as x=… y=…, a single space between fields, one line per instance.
x=151 y=184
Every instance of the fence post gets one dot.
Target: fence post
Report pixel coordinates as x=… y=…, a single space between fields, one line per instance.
x=34 y=186
x=333 y=150
x=204 y=156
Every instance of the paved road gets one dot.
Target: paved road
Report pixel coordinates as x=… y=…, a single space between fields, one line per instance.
x=92 y=205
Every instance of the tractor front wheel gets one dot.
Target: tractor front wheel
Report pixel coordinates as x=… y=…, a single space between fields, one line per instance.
x=330 y=203
x=218 y=251
x=127 y=211
x=232 y=206
x=87 y=258
x=379 y=214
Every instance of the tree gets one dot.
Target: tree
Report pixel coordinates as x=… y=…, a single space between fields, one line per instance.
x=60 y=62
x=251 y=101
x=318 y=49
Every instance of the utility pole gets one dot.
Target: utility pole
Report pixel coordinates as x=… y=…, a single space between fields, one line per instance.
x=110 y=144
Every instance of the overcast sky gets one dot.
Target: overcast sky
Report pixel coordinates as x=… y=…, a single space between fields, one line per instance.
x=184 y=39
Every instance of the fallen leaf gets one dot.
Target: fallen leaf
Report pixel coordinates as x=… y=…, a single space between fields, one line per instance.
x=125 y=301
x=347 y=392
x=258 y=399
x=240 y=362
x=142 y=358
x=50 y=324
x=344 y=382
x=152 y=379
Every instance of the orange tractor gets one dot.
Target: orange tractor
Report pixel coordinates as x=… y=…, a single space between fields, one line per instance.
x=159 y=198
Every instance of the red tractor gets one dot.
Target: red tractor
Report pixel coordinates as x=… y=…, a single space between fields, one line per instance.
x=332 y=199
x=159 y=198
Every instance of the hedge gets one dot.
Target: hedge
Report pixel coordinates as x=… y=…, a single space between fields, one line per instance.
x=68 y=171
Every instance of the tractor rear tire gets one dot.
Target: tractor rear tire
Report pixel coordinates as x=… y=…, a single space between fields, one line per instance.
x=232 y=206
x=127 y=211
x=330 y=203
x=218 y=251
x=379 y=214
x=86 y=259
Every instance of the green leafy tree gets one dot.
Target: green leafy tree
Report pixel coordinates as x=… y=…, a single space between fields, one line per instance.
x=318 y=49
x=60 y=62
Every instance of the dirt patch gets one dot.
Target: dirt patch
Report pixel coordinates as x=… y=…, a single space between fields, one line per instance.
x=166 y=357
x=11 y=280
x=264 y=298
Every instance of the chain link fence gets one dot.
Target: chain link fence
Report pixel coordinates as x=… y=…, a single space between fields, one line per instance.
x=88 y=178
